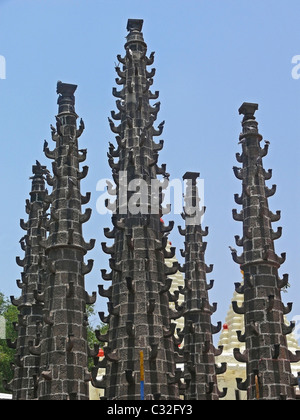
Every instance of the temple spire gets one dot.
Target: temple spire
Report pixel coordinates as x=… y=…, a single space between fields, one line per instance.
x=267 y=356
x=200 y=368
x=139 y=316
x=27 y=361
x=64 y=351
x=233 y=330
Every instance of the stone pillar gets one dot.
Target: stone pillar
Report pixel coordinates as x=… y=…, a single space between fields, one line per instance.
x=267 y=356
x=64 y=350
x=139 y=316
x=26 y=371
x=200 y=369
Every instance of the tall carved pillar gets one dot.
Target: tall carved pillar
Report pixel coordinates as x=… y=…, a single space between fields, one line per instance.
x=64 y=350
x=200 y=368
x=26 y=371
x=267 y=356
x=139 y=316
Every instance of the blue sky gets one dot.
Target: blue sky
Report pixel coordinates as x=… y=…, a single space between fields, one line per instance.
x=211 y=56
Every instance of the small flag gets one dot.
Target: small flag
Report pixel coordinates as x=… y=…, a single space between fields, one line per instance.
x=142 y=375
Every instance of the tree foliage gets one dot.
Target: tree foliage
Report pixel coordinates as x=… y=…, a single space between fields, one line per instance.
x=92 y=340
x=7 y=355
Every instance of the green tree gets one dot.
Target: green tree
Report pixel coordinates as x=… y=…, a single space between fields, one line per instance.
x=91 y=331
x=7 y=355
x=10 y=314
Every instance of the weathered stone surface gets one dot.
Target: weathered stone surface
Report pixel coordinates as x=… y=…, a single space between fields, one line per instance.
x=268 y=366
x=24 y=384
x=139 y=313
x=64 y=354
x=200 y=369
